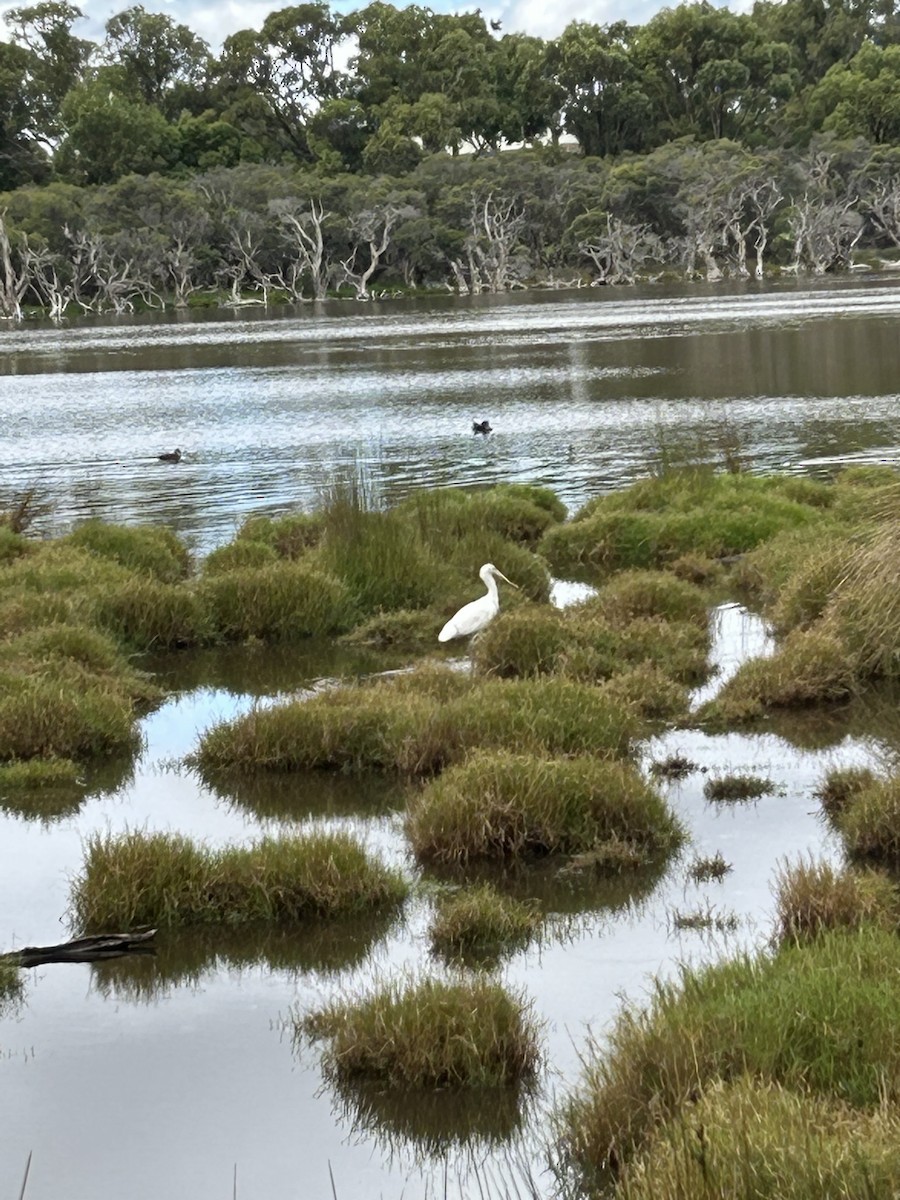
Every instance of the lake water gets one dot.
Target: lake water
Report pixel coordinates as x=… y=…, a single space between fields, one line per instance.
x=173 y=1076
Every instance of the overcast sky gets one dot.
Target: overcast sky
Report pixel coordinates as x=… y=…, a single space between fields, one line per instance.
x=214 y=21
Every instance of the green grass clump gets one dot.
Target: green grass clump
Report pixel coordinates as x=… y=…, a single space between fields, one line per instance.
x=532 y=640
x=37 y=773
x=417 y=723
x=64 y=715
x=144 y=613
x=811 y=897
x=709 y=867
x=751 y=1140
x=632 y=594
x=406 y=629
x=12 y=545
x=480 y=922
x=238 y=555
x=811 y=666
x=150 y=550
x=288 y=537
x=731 y=788
x=869 y=825
x=515 y=512
x=840 y=786
x=165 y=879
x=819 y=1018
x=650 y=694
x=864 y=610
x=429 y=1034
x=504 y=805
x=282 y=601
x=658 y=520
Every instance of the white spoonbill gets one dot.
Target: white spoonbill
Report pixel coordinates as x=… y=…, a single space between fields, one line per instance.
x=473 y=617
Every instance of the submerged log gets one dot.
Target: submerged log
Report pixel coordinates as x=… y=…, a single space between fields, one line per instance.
x=84 y=949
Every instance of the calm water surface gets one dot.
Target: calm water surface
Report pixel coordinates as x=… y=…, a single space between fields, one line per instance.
x=154 y=1077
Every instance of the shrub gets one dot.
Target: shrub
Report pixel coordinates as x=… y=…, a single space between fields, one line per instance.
x=150 y=550
x=506 y=805
x=165 y=879
x=481 y=922
x=751 y=1140
x=281 y=601
x=818 y=1017
x=12 y=545
x=813 y=897
x=429 y=1034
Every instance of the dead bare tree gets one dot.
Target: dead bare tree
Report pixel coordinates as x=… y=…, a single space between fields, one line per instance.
x=14 y=275
x=302 y=226
x=619 y=252
x=372 y=227
x=496 y=227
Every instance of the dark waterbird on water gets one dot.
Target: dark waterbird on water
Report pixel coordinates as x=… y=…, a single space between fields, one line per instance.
x=170 y=456
x=481 y=427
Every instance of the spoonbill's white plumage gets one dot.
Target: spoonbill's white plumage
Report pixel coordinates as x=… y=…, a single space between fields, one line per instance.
x=475 y=615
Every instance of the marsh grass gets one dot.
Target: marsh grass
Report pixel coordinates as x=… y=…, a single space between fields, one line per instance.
x=38 y=774
x=237 y=556
x=632 y=594
x=864 y=609
x=734 y=788
x=709 y=867
x=839 y=788
x=707 y=919
x=11 y=986
x=869 y=825
x=811 y=897
x=428 y=1033
x=820 y=1018
x=650 y=693
x=406 y=629
x=755 y=1140
x=165 y=879
x=148 y=549
x=810 y=667
x=481 y=924
x=505 y=805
x=690 y=511
x=673 y=766
x=415 y=724
x=279 y=602
x=290 y=536
x=68 y=714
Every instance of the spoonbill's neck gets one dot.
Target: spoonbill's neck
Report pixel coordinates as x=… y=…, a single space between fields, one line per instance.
x=487 y=578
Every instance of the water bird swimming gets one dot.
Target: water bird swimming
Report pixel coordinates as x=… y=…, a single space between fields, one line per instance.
x=475 y=615
x=482 y=427
x=170 y=456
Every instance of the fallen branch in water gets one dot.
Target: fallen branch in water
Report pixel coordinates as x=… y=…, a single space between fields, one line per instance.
x=84 y=949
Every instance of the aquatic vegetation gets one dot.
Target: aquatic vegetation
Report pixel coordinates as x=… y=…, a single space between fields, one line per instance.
x=702 y=920
x=811 y=666
x=417 y=725
x=11 y=986
x=149 y=549
x=506 y=805
x=840 y=786
x=428 y=1033
x=705 y=868
x=690 y=511
x=734 y=787
x=750 y=1139
x=238 y=555
x=673 y=766
x=869 y=823
x=481 y=923
x=811 y=897
x=817 y=1018
x=164 y=879
x=285 y=600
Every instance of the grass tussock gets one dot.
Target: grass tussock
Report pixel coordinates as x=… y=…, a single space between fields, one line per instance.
x=415 y=724
x=632 y=594
x=429 y=1034
x=692 y=511
x=649 y=693
x=819 y=1018
x=504 y=805
x=812 y=897
x=290 y=536
x=756 y=1140
x=709 y=867
x=810 y=667
x=869 y=825
x=148 y=549
x=165 y=879
x=840 y=787
x=69 y=715
x=481 y=923
x=673 y=766
x=405 y=629
x=146 y=614
x=707 y=919
x=282 y=601
x=734 y=788
x=239 y=555
x=864 y=610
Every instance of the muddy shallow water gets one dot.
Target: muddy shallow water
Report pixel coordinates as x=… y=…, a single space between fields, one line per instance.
x=161 y=1076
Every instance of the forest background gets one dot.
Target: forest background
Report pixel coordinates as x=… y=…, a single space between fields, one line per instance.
x=147 y=170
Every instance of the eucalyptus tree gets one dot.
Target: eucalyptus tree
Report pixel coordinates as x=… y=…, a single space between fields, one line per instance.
x=860 y=98
x=55 y=60
x=160 y=61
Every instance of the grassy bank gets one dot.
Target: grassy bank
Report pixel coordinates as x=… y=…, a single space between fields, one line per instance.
x=165 y=879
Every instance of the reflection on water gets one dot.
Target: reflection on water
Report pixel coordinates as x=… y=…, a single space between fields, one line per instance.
x=300 y=795
x=183 y=958
x=49 y=804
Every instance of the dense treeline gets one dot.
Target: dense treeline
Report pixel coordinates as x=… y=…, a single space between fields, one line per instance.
x=146 y=168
